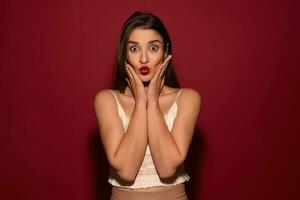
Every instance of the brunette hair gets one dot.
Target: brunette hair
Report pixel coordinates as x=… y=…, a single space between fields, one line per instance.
x=146 y=21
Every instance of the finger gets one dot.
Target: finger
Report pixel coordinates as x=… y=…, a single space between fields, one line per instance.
x=129 y=73
x=158 y=71
x=133 y=80
x=167 y=59
x=156 y=75
x=129 y=84
x=163 y=63
x=162 y=72
x=133 y=73
x=165 y=66
x=157 y=81
x=162 y=83
x=130 y=81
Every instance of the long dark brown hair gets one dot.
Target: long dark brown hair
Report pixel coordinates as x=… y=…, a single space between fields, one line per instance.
x=146 y=21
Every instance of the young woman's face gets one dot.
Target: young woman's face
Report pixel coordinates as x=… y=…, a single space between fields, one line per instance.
x=145 y=52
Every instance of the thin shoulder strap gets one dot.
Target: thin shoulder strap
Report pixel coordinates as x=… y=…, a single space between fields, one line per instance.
x=121 y=111
x=120 y=108
x=113 y=93
x=178 y=94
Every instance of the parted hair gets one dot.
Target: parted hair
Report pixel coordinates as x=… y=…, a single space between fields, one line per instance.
x=146 y=21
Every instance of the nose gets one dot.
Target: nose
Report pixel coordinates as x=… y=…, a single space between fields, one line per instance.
x=144 y=57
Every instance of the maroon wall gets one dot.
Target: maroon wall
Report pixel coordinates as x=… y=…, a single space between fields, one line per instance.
x=242 y=56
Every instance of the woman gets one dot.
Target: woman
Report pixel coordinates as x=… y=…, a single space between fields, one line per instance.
x=146 y=123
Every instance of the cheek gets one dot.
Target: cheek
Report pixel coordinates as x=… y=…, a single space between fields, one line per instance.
x=157 y=59
x=132 y=58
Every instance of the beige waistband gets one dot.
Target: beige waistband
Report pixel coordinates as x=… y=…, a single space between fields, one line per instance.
x=151 y=189
x=174 y=192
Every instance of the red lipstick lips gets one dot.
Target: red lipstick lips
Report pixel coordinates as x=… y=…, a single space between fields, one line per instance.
x=144 y=70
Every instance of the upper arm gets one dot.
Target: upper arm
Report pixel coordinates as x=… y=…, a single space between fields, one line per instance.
x=110 y=125
x=189 y=103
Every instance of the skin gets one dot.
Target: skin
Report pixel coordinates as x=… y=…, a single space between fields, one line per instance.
x=147 y=100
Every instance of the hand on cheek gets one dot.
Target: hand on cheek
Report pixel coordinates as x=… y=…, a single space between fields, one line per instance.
x=136 y=85
x=157 y=81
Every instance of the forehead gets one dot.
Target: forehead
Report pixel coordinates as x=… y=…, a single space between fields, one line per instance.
x=144 y=35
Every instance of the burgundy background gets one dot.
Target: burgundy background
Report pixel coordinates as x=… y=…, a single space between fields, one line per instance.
x=242 y=56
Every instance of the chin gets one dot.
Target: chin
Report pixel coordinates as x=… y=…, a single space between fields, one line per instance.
x=146 y=78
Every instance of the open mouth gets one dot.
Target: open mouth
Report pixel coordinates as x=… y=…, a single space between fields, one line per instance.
x=144 y=70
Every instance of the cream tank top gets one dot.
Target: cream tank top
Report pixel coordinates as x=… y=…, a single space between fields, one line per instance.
x=147 y=175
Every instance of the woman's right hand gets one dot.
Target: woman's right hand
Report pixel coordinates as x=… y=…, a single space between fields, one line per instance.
x=136 y=85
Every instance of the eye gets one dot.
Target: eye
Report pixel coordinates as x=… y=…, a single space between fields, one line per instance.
x=154 y=48
x=133 y=48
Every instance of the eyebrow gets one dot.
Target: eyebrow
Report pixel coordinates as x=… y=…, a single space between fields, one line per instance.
x=152 y=41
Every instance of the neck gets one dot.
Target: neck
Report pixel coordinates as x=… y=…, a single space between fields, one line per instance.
x=128 y=91
x=146 y=84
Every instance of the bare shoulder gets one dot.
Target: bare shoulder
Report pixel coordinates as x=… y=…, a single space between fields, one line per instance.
x=190 y=100
x=189 y=104
x=190 y=95
x=103 y=98
x=103 y=94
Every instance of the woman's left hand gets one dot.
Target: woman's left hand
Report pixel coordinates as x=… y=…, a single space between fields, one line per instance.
x=157 y=82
